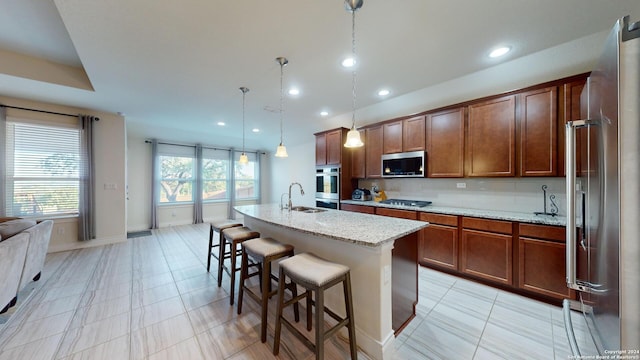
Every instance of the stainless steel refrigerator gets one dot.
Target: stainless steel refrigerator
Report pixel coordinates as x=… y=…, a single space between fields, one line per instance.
x=603 y=202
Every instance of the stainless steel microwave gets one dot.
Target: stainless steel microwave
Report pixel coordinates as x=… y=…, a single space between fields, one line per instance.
x=407 y=164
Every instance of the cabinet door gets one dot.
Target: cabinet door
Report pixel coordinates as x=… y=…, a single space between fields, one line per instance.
x=439 y=246
x=538 y=126
x=491 y=138
x=543 y=267
x=487 y=255
x=413 y=134
x=373 y=152
x=445 y=144
x=392 y=137
x=334 y=147
x=321 y=149
x=358 y=162
x=570 y=111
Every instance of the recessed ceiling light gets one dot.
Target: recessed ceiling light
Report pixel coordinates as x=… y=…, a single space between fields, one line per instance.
x=348 y=62
x=221 y=123
x=324 y=113
x=294 y=91
x=255 y=130
x=497 y=52
x=383 y=92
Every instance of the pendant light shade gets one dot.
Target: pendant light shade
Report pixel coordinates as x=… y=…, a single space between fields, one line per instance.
x=243 y=157
x=353 y=136
x=281 y=151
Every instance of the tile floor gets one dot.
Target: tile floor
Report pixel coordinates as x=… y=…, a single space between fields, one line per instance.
x=151 y=298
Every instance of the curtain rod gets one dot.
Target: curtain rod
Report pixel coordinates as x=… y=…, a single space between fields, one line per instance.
x=42 y=111
x=204 y=147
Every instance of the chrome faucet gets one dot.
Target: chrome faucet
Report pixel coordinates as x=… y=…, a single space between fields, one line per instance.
x=301 y=192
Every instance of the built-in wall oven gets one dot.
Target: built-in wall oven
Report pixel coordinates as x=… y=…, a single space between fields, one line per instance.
x=328 y=187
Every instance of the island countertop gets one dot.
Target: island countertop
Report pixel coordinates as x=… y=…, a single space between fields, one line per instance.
x=362 y=229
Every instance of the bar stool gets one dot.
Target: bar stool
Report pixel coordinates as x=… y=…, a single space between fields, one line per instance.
x=315 y=275
x=263 y=251
x=218 y=226
x=232 y=237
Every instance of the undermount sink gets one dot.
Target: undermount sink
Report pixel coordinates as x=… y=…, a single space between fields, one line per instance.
x=305 y=209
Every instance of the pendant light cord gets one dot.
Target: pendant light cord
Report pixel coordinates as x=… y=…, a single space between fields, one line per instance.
x=243 y=94
x=281 y=99
x=353 y=72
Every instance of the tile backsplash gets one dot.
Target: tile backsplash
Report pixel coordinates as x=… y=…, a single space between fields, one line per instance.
x=505 y=194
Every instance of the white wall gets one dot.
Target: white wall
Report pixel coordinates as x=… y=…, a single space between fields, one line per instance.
x=298 y=167
x=109 y=156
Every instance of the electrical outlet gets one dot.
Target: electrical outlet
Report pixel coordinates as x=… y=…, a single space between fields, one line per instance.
x=461 y=185
x=60 y=231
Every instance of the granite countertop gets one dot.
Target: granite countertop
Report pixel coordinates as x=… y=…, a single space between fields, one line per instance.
x=362 y=229
x=487 y=214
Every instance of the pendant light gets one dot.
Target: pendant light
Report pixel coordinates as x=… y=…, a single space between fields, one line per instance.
x=281 y=151
x=243 y=157
x=353 y=136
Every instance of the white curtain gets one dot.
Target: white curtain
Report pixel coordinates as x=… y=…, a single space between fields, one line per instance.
x=3 y=160
x=197 y=195
x=86 y=208
x=155 y=183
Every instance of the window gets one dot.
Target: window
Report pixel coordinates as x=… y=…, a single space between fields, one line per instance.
x=246 y=178
x=176 y=179
x=215 y=174
x=43 y=164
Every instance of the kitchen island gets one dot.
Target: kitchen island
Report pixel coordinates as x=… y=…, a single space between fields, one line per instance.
x=380 y=251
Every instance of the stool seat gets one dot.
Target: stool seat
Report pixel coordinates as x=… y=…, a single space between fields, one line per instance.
x=240 y=233
x=309 y=269
x=218 y=226
x=261 y=248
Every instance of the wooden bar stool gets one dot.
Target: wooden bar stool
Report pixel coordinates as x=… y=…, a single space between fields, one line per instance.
x=263 y=251
x=219 y=227
x=232 y=237
x=315 y=275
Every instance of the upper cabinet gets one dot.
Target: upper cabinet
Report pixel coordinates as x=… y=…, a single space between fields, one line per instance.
x=538 y=132
x=570 y=110
x=329 y=147
x=445 y=143
x=373 y=152
x=491 y=138
x=358 y=159
x=404 y=135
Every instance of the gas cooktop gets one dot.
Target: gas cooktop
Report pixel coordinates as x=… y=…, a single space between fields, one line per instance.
x=402 y=202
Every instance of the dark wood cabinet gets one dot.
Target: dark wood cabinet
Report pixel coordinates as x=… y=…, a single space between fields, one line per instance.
x=373 y=152
x=571 y=109
x=538 y=132
x=542 y=264
x=491 y=138
x=445 y=144
x=358 y=161
x=358 y=208
x=439 y=241
x=329 y=147
x=485 y=249
x=413 y=134
x=392 y=137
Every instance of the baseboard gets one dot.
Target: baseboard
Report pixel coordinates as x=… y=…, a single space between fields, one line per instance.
x=87 y=244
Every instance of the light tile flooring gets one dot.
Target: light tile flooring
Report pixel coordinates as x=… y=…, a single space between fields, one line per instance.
x=151 y=298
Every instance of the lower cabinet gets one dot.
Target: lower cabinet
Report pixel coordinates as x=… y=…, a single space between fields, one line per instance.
x=357 y=208
x=542 y=261
x=439 y=241
x=486 y=249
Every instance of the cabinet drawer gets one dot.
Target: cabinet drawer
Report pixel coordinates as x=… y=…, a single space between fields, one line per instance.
x=403 y=214
x=546 y=232
x=440 y=219
x=358 y=208
x=503 y=227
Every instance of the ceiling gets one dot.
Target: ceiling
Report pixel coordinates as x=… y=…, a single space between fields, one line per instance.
x=173 y=68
